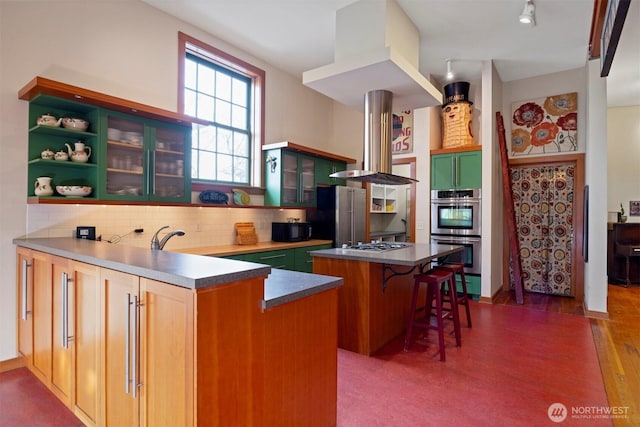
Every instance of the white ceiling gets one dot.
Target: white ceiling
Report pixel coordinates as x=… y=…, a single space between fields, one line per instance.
x=299 y=35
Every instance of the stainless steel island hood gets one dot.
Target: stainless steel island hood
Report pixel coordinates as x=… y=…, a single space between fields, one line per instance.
x=376 y=57
x=378 y=121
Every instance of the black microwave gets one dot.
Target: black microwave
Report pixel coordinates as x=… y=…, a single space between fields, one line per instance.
x=290 y=231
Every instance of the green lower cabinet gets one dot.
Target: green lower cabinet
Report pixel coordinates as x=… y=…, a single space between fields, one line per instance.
x=283 y=258
x=473 y=285
x=303 y=258
x=296 y=259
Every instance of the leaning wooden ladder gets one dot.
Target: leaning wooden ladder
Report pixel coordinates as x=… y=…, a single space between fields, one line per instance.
x=514 y=246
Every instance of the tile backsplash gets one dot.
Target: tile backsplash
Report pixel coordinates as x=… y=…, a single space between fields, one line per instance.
x=204 y=226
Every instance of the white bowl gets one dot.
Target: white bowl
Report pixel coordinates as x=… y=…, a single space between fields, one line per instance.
x=73 y=190
x=75 y=124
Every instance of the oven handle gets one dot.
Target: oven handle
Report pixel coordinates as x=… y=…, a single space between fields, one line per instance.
x=456 y=201
x=456 y=239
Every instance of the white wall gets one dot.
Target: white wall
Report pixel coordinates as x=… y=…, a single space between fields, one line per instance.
x=623 y=158
x=126 y=49
x=492 y=197
x=595 y=271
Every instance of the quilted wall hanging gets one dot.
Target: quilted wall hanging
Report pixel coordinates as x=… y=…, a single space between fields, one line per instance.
x=545 y=125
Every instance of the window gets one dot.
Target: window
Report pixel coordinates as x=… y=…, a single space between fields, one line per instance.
x=225 y=94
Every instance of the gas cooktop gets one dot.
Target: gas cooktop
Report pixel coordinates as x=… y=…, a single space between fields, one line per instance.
x=376 y=247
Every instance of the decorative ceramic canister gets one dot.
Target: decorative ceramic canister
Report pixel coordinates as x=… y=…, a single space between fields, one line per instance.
x=61 y=155
x=43 y=186
x=47 y=154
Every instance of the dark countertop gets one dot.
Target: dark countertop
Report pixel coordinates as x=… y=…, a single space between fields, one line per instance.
x=185 y=270
x=414 y=254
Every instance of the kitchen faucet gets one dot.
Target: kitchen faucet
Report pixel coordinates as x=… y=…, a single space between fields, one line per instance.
x=155 y=244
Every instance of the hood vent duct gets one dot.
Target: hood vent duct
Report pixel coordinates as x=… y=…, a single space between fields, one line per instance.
x=378 y=121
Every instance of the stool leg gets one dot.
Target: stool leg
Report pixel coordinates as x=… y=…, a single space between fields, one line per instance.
x=412 y=314
x=465 y=298
x=453 y=296
x=440 y=320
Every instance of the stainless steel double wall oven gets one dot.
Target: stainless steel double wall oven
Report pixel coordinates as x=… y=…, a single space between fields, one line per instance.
x=456 y=219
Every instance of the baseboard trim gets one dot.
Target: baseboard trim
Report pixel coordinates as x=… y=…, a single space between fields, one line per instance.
x=10 y=364
x=592 y=314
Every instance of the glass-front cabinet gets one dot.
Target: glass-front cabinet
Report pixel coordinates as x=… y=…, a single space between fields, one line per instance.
x=145 y=159
x=290 y=179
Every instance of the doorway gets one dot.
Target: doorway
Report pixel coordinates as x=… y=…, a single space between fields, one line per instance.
x=547 y=197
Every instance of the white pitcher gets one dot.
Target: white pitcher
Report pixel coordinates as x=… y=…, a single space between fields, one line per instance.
x=43 y=186
x=80 y=154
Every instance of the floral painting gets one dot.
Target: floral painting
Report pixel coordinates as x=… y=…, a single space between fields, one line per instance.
x=545 y=125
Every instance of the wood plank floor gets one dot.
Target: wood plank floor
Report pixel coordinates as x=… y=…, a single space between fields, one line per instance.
x=618 y=344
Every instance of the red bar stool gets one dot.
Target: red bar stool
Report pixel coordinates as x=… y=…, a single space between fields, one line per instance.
x=457 y=268
x=435 y=280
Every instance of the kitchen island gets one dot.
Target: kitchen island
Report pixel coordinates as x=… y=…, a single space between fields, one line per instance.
x=374 y=301
x=130 y=336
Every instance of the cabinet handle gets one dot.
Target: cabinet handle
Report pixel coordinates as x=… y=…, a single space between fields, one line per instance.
x=65 y=311
x=153 y=186
x=127 y=349
x=273 y=256
x=136 y=343
x=25 y=309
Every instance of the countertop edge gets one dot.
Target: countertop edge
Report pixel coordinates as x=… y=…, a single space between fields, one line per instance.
x=306 y=284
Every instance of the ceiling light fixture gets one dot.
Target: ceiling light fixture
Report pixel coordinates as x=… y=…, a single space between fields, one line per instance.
x=528 y=15
x=449 y=70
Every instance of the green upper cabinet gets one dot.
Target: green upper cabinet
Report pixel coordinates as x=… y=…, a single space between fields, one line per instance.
x=144 y=159
x=325 y=167
x=290 y=179
x=456 y=170
x=292 y=173
x=59 y=141
x=131 y=151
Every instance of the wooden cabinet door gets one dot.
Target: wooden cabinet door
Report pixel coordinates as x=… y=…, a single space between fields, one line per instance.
x=166 y=357
x=60 y=322
x=118 y=405
x=86 y=341
x=42 y=316
x=24 y=275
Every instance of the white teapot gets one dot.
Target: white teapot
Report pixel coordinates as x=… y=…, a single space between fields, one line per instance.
x=48 y=120
x=80 y=153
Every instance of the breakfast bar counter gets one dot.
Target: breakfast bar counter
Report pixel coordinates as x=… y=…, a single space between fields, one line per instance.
x=374 y=301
